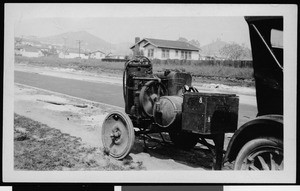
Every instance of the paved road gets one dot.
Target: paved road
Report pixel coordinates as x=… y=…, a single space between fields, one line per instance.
x=99 y=92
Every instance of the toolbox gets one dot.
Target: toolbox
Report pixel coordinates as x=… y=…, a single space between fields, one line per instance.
x=210 y=113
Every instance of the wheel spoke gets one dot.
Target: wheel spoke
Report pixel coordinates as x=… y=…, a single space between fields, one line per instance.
x=273 y=163
x=261 y=154
x=253 y=167
x=152 y=98
x=152 y=89
x=263 y=163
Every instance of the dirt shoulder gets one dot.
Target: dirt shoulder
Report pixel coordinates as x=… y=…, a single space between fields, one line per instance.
x=48 y=124
x=40 y=147
x=56 y=132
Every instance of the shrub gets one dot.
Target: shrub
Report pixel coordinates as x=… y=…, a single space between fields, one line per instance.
x=208 y=68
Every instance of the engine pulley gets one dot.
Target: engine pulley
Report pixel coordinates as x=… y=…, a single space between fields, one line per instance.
x=150 y=93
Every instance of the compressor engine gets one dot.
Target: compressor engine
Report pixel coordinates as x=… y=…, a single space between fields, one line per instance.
x=143 y=90
x=167 y=102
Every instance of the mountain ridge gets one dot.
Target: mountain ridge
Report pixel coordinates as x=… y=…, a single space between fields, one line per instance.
x=87 y=41
x=90 y=42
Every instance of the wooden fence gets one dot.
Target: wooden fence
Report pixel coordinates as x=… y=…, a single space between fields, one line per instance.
x=231 y=63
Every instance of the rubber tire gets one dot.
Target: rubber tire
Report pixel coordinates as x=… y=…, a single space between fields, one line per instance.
x=184 y=140
x=253 y=145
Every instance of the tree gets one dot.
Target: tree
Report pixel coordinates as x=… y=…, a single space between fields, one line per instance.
x=49 y=52
x=192 y=42
x=182 y=39
x=195 y=43
x=235 y=51
x=18 y=41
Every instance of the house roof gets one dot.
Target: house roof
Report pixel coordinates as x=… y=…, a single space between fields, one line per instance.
x=167 y=44
x=97 y=51
x=74 y=50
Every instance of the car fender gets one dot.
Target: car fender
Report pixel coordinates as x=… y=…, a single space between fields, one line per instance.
x=262 y=126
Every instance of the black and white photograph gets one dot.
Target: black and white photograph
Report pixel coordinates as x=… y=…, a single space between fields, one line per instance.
x=261 y=188
x=158 y=93
x=206 y=188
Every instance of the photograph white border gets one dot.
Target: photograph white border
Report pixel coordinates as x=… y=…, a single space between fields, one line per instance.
x=15 y=12
x=261 y=188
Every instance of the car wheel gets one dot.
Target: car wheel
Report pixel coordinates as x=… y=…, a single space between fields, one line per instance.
x=260 y=154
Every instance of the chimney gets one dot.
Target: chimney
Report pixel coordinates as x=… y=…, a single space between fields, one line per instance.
x=136 y=49
x=137 y=39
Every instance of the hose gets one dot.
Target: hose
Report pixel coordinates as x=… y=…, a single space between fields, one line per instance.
x=124 y=79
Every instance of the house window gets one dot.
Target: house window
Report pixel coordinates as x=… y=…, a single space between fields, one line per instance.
x=165 y=53
x=150 y=53
x=176 y=52
x=186 y=55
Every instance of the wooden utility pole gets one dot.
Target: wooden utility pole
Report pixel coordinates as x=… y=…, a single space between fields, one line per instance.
x=65 y=39
x=79 y=42
x=65 y=47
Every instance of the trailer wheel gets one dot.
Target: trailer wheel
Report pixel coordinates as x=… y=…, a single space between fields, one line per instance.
x=260 y=154
x=117 y=134
x=183 y=140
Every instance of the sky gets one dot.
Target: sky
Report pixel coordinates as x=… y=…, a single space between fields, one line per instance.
x=118 y=23
x=117 y=30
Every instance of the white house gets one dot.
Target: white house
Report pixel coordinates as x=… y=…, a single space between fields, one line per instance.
x=73 y=54
x=114 y=56
x=165 y=49
x=30 y=51
x=97 y=54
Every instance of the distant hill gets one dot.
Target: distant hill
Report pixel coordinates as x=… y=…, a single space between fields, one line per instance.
x=213 y=48
x=88 y=42
x=122 y=48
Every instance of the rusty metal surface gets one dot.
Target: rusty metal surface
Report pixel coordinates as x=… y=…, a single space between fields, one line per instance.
x=132 y=71
x=167 y=111
x=210 y=113
x=176 y=80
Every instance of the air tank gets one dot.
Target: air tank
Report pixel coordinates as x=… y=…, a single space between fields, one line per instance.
x=167 y=111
